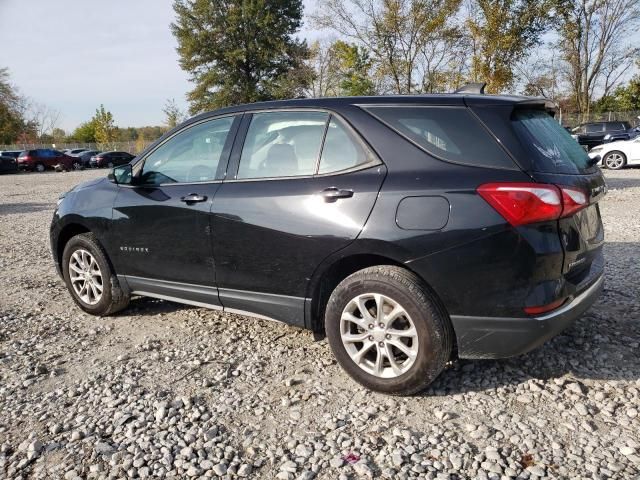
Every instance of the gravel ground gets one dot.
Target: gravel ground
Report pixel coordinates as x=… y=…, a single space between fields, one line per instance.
x=164 y=390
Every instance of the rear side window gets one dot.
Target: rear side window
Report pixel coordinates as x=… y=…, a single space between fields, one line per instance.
x=341 y=150
x=595 y=128
x=448 y=133
x=282 y=144
x=551 y=146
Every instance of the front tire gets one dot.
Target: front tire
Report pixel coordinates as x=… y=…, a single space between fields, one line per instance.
x=89 y=278
x=387 y=330
x=615 y=160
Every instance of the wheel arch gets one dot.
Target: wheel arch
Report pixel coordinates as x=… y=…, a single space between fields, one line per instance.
x=325 y=281
x=67 y=233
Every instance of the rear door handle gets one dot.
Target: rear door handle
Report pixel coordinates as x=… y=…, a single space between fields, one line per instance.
x=193 y=198
x=332 y=194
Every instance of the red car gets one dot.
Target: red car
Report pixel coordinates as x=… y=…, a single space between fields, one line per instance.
x=44 y=158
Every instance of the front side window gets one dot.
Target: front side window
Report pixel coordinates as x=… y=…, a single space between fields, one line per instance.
x=192 y=155
x=341 y=150
x=282 y=144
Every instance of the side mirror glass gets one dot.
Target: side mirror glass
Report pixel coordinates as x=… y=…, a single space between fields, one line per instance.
x=122 y=175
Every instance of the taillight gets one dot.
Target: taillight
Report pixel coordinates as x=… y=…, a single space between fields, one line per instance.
x=524 y=203
x=572 y=200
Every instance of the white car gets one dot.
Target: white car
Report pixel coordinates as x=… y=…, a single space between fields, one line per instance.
x=617 y=155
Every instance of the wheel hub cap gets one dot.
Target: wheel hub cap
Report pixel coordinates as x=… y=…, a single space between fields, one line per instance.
x=379 y=335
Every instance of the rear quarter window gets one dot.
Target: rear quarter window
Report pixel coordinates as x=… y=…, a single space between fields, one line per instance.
x=551 y=147
x=452 y=134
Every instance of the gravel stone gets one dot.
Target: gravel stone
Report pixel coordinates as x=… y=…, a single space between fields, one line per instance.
x=163 y=390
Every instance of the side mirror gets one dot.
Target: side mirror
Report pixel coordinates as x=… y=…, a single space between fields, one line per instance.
x=122 y=175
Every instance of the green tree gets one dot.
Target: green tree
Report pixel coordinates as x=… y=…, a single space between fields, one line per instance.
x=624 y=98
x=354 y=67
x=239 y=51
x=12 y=105
x=172 y=114
x=502 y=33
x=105 y=129
x=84 y=133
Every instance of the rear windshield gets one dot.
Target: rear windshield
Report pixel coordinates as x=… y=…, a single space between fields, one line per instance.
x=448 y=133
x=552 y=148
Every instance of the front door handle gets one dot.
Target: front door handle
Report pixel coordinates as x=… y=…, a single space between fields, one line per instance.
x=193 y=198
x=332 y=194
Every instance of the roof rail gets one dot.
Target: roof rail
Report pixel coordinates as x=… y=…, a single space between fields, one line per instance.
x=472 y=88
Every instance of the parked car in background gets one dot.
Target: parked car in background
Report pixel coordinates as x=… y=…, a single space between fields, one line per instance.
x=629 y=134
x=85 y=157
x=110 y=159
x=593 y=133
x=11 y=153
x=74 y=151
x=409 y=229
x=8 y=164
x=618 y=154
x=42 y=159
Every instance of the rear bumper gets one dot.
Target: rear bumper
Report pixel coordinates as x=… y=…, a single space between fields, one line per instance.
x=499 y=337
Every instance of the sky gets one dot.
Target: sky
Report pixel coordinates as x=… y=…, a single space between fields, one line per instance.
x=74 y=55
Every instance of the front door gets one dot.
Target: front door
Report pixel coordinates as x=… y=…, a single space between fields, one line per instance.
x=304 y=187
x=162 y=221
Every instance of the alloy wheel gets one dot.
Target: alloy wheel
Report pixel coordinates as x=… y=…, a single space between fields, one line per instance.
x=86 y=277
x=379 y=335
x=614 y=161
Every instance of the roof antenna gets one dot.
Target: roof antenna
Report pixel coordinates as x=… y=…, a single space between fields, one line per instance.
x=477 y=88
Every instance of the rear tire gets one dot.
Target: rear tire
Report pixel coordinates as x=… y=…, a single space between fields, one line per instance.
x=411 y=318
x=89 y=278
x=40 y=168
x=615 y=160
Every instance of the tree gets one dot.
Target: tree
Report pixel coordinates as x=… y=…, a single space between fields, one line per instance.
x=59 y=135
x=502 y=32
x=593 y=36
x=240 y=51
x=45 y=118
x=353 y=64
x=396 y=34
x=12 y=106
x=623 y=99
x=84 y=133
x=104 y=127
x=172 y=114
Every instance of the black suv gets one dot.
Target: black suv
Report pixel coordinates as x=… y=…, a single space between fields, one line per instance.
x=597 y=133
x=110 y=159
x=409 y=229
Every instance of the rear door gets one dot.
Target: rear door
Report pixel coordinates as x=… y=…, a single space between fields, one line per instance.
x=557 y=159
x=300 y=186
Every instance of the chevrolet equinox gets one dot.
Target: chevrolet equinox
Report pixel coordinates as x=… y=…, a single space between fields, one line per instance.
x=410 y=230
